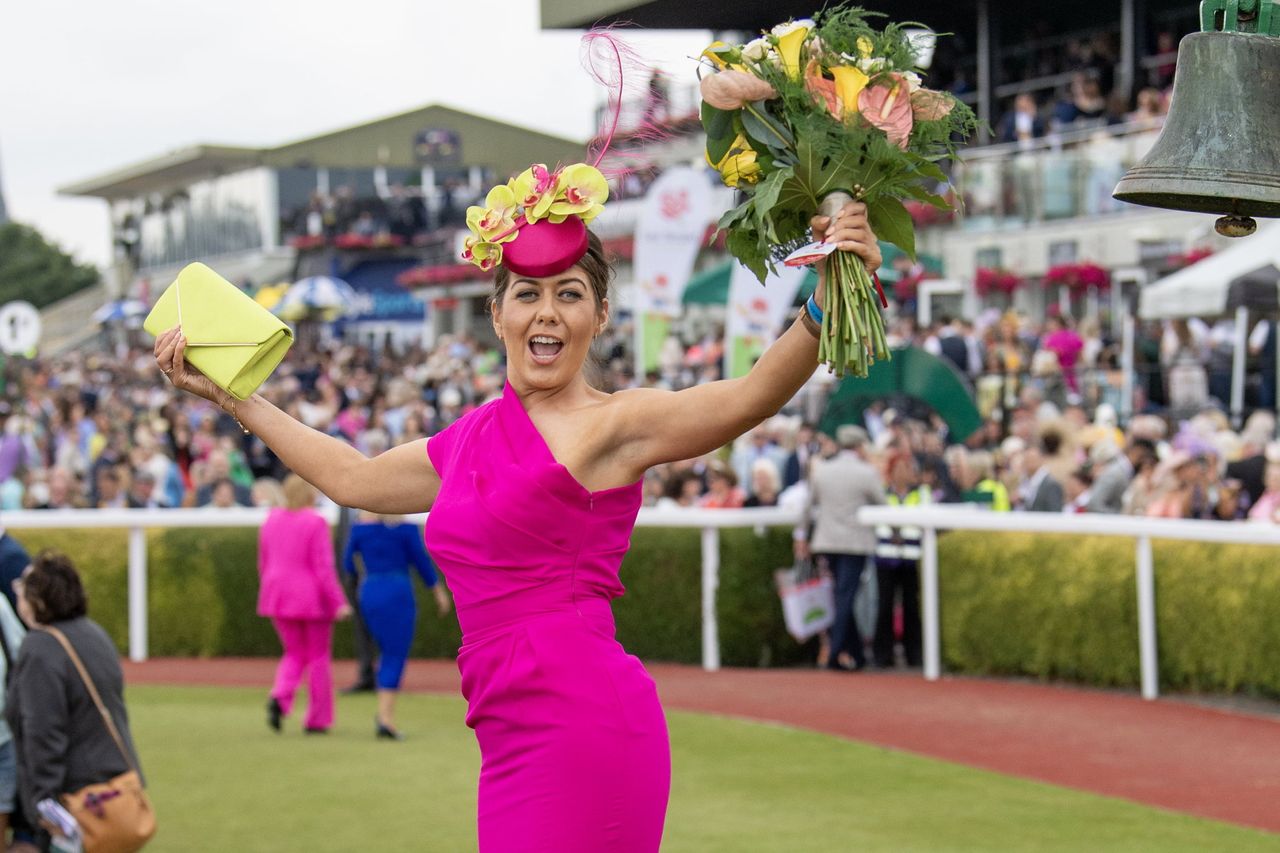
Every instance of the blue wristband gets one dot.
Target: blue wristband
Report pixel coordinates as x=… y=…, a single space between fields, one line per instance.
x=814 y=311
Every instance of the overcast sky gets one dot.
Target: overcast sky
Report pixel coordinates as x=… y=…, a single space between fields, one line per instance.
x=88 y=87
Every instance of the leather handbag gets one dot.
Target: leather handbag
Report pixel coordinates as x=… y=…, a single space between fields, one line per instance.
x=114 y=816
x=230 y=338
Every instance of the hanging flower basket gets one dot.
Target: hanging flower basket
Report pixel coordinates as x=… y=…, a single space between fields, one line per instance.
x=990 y=280
x=1186 y=259
x=1078 y=278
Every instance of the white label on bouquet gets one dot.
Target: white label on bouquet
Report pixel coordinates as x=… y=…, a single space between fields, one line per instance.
x=809 y=254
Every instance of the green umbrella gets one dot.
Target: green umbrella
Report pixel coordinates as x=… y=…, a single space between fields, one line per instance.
x=914 y=373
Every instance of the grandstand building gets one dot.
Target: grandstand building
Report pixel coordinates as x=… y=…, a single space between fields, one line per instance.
x=365 y=203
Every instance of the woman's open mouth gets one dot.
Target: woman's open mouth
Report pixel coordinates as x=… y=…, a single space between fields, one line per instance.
x=545 y=348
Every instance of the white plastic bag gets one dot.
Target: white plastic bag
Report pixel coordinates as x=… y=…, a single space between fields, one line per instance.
x=808 y=600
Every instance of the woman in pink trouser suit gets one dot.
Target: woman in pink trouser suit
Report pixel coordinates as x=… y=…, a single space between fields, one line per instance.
x=299 y=592
x=535 y=495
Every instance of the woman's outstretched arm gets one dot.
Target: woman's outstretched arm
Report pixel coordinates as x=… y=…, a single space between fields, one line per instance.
x=399 y=481
x=655 y=426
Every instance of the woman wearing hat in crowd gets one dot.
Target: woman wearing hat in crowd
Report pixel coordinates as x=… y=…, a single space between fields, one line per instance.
x=533 y=497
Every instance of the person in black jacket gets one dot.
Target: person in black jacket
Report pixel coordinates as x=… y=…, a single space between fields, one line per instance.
x=60 y=739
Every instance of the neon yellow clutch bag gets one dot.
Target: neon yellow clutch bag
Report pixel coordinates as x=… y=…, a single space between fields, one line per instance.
x=230 y=338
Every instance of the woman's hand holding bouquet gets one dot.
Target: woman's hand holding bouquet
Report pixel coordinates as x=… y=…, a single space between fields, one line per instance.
x=815 y=116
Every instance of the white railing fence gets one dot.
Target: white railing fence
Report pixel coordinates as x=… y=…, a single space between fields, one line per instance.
x=1141 y=530
x=710 y=522
x=138 y=521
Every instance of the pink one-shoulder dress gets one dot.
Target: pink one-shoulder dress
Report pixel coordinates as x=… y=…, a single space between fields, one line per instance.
x=573 y=742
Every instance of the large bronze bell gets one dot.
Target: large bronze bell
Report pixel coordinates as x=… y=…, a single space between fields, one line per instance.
x=1219 y=151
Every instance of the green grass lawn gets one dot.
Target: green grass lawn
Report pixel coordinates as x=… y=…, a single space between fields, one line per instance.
x=222 y=781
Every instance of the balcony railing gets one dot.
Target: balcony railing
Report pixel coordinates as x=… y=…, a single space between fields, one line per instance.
x=1062 y=176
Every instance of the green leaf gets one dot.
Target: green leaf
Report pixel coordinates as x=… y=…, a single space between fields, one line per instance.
x=928 y=168
x=719 y=125
x=765 y=199
x=764 y=128
x=734 y=216
x=746 y=245
x=892 y=223
x=795 y=196
x=820 y=173
x=717 y=122
x=921 y=194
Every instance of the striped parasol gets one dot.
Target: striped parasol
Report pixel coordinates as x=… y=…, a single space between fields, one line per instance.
x=320 y=297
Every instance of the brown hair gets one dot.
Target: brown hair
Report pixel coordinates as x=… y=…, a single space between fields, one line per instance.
x=298 y=493
x=593 y=263
x=53 y=589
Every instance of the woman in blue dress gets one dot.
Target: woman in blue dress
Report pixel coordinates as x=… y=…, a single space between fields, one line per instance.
x=388 y=546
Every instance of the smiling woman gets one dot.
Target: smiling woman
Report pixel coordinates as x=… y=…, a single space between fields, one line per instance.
x=533 y=498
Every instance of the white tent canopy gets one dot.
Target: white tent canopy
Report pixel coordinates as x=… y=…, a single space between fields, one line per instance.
x=1201 y=290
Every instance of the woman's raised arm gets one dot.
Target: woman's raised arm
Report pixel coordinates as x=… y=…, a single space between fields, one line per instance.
x=399 y=481
x=655 y=426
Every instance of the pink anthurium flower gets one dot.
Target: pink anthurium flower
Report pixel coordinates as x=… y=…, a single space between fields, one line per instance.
x=888 y=107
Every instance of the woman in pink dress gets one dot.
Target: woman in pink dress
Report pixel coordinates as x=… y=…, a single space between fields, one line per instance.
x=533 y=497
x=298 y=591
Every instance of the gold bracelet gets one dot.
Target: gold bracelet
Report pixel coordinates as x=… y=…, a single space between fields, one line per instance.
x=234 y=413
x=810 y=324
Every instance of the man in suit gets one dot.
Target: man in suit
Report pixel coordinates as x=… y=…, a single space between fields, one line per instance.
x=839 y=485
x=1040 y=491
x=1107 y=493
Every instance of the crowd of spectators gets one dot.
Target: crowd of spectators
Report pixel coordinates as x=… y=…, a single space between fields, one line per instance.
x=98 y=429
x=1088 y=95
x=400 y=215
x=1049 y=396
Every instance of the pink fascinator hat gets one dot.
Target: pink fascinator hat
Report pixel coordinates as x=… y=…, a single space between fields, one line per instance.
x=536 y=223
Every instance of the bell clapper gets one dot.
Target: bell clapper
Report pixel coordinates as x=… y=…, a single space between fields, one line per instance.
x=1236 y=226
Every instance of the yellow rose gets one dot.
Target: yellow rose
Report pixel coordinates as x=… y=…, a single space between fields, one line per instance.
x=739 y=165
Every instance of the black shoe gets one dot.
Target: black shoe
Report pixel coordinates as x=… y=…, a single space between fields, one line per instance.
x=315 y=730
x=382 y=732
x=274 y=714
x=359 y=687
x=840 y=667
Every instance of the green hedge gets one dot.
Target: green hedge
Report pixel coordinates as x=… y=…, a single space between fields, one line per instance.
x=1051 y=607
x=203 y=587
x=1065 y=607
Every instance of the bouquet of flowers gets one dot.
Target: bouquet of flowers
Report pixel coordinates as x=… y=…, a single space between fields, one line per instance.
x=810 y=116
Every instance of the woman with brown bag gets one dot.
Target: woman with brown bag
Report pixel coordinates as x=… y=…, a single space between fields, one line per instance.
x=65 y=705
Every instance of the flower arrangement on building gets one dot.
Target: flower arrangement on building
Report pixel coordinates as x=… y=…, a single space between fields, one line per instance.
x=988 y=281
x=1078 y=278
x=812 y=115
x=1189 y=257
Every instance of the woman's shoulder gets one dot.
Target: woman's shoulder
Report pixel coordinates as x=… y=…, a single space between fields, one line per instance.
x=84 y=635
